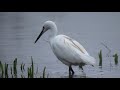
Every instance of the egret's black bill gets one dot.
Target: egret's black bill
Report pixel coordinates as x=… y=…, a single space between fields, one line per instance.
x=40 y=35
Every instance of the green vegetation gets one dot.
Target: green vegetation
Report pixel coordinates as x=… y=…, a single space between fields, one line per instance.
x=7 y=71
x=15 y=68
x=100 y=58
x=44 y=72
x=28 y=71
x=1 y=69
x=116 y=59
x=31 y=70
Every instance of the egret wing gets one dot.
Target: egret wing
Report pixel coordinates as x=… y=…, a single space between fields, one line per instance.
x=76 y=45
x=70 y=51
x=85 y=57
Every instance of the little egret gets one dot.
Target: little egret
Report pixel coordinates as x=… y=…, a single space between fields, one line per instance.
x=66 y=49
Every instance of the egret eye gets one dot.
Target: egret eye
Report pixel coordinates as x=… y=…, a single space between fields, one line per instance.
x=43 y=27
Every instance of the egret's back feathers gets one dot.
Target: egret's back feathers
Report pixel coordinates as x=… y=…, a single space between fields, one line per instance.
x=77 y=45
x=70 y=50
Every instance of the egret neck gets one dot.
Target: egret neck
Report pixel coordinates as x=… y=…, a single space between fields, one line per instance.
x=53 y=30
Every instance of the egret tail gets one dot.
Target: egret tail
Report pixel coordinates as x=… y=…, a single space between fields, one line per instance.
x=88 y=60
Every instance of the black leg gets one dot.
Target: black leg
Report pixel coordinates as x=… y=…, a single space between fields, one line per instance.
x=71 y=72
x=82 y=70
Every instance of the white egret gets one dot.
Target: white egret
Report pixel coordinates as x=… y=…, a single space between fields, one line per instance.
x=66 y=49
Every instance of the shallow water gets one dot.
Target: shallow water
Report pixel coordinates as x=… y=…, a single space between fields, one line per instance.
x=18 y=31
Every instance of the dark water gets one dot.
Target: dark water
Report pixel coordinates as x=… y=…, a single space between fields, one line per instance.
x=18 y=31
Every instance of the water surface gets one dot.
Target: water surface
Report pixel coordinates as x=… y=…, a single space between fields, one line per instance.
x=18 y=31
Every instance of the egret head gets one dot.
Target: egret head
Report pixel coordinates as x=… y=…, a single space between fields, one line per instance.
x=48 y=25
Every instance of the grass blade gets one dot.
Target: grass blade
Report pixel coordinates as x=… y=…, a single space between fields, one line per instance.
x=28 y=72
x=11 y=72
x=115 y=59
x=44 y=72
x=15 y=67
x=1 y=67
x=6 y=70
x=21 y=67
x=32 y=68
x=100 y=58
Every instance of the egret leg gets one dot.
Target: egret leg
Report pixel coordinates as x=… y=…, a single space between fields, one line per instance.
x=71 y=72
x=81 y=68
x=84 y=74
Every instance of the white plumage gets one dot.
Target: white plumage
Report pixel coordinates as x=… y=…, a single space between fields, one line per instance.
x=66 y=49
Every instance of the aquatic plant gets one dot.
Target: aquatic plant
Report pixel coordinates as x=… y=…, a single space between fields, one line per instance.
x=100 y=58
x=13 y=70
x=44 y=72
x=6 y=70
x=1 y=69
x=115 y=58
x=15 y=67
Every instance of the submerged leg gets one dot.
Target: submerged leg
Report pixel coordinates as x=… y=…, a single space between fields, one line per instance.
x=71 y=72
x=81 y=67
x=84 y=74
